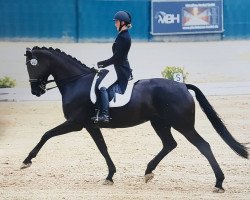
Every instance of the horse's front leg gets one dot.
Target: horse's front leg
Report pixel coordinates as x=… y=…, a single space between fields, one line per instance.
x=66 y=127
x=99 y=140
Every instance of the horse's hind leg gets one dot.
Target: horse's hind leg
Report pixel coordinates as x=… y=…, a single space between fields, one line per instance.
x=204 y=147
x=163 y=131
x=66 y=127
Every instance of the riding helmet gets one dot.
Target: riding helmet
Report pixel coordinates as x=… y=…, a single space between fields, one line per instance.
x=123 y=16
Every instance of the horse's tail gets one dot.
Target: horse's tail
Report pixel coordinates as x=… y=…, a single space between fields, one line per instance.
x=218 y=125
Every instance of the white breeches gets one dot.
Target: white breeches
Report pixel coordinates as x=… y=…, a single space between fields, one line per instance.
x=109 y=79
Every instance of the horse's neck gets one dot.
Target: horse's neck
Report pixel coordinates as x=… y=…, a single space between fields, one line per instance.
x=80 y=85
x=65 y=69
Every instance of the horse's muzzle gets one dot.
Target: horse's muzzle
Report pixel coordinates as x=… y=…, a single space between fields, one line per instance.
x=37 y=89
x=38 y=94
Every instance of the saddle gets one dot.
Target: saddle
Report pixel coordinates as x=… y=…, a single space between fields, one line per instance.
x=116 y=99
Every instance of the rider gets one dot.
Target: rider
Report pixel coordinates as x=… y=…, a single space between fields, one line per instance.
x=119 y=59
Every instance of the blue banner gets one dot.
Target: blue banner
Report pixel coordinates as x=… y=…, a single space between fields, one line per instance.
x=186 y=17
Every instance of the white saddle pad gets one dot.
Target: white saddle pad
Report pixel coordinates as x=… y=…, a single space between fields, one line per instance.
x=120 y=99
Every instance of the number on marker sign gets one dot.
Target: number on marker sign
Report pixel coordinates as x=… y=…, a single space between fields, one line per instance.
x=178 y=77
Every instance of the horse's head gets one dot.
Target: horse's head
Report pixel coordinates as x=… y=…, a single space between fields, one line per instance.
x=38 y=71
x=42 y=62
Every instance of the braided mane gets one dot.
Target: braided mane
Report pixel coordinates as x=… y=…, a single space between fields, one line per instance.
x=58 y=51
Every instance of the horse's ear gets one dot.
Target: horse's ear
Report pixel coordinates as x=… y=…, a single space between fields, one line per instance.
x=28 y=53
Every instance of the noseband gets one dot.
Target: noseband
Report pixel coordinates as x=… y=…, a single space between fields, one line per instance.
x=42 y=83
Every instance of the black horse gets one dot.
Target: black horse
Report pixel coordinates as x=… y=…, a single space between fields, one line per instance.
x=165 y=103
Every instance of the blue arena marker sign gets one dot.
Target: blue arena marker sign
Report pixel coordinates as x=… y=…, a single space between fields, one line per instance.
x=186 y=17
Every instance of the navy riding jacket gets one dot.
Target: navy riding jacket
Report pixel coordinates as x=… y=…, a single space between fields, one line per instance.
x=119 y=59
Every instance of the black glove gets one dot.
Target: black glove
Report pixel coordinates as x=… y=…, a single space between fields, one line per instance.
x=100 y=64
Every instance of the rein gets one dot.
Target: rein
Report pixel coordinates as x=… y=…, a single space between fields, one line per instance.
x=58 y=83
x=64 y=81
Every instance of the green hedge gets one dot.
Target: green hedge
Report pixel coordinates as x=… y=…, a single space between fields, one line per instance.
x=169 y=72
x=7 y=82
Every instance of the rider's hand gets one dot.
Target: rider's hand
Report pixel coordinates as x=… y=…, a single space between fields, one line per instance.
x=100 y=64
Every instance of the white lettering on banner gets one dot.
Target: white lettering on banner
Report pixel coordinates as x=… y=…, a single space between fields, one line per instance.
x=200 y=5
x=200 y=27
x=165 y=18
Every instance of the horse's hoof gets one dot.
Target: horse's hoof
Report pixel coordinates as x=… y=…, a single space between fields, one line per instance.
x=149 y=177
x=23 y=166
x=108 y=182
x=218 y=190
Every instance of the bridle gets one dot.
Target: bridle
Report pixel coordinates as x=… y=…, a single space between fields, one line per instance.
x=42 y=83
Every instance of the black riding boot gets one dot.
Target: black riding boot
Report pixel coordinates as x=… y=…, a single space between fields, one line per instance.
x=104 y=101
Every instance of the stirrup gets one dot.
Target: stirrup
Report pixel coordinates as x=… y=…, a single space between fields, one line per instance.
x=103 y=118
x=100 y=119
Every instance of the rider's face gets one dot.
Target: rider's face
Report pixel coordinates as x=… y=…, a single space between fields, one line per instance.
x=117 y=24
